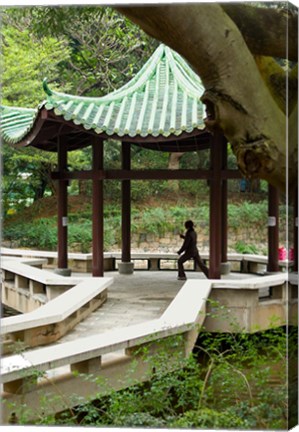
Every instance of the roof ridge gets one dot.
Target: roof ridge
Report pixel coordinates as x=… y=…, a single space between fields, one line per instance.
x=175 y=62
x=120 y=92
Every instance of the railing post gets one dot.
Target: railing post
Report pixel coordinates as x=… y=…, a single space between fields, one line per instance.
x=21 y=385
x=92 y=365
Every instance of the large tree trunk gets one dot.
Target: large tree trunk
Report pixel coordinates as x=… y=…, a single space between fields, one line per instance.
x=238 y=99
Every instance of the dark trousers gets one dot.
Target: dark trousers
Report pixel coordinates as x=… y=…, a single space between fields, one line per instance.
x=198 y=262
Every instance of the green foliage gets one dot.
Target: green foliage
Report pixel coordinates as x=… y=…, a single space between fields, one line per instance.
x=85 y=51
x=42 y=234
x=247 y=213
x=210 y=418
x=26 y=177
x=245 y=248
x=104 y=49
x=26 y=61
x=156 y=220
x=227 y=383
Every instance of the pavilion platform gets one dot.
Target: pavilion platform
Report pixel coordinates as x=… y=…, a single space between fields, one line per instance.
x=139 y=297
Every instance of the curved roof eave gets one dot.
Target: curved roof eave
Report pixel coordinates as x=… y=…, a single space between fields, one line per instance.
x=17 y=123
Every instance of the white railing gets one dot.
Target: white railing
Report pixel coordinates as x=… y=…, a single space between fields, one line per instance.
x=188 y=303
x=56 y=303
x=108 y=357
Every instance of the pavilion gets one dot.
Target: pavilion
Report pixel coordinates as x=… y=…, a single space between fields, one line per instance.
x=159 y=109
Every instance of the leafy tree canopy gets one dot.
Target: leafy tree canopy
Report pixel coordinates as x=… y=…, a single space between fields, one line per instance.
x=86 y=51
x=104 y=49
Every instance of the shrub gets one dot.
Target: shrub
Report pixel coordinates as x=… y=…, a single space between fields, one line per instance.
x=245 y=248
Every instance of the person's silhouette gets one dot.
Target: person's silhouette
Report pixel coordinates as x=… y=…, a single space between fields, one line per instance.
x=189 y=247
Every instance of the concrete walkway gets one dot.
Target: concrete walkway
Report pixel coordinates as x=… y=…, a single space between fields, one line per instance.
x=134 y=299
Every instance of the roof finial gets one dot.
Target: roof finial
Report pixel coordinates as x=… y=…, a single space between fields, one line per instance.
x=46 y=88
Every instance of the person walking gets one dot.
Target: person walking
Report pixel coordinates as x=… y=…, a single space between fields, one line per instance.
x=189 y=247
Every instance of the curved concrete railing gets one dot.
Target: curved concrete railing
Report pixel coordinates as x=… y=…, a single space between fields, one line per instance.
x=56 y=304
x=108 y=357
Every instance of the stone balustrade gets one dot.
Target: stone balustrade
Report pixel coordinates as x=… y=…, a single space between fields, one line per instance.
x=26 y=287
x=57 y=317
x=218 y=305
x=236 y=305
x=106 y=356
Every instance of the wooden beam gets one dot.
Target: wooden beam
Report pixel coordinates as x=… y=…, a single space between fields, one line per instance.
x=200 y=134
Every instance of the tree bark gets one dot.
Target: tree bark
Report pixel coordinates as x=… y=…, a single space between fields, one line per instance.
x=266 y=30
x=237 y=98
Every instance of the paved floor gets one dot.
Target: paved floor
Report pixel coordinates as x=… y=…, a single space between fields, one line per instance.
x=134 y=299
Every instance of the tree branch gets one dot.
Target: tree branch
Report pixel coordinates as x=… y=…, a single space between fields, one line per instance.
x=267 y=31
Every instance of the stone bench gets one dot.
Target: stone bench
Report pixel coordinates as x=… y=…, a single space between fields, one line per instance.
x=249 y=263
x=51 y=321
x=252 y=263
x=78 y=262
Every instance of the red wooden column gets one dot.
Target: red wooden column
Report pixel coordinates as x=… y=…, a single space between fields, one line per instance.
x=273 y=229
x=97 y=210
x=225 y=265
x=126 y=266
x=62 y=219
x=295 y=233
x=217 y=143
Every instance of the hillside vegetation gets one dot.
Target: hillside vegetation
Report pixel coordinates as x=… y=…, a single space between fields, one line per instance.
x=36 y=226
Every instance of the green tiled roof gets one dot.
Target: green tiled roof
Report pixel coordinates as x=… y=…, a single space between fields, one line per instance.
x=16 y=123
x=162 y=99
